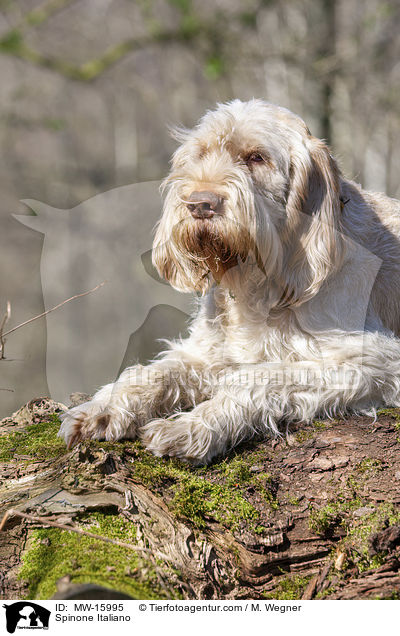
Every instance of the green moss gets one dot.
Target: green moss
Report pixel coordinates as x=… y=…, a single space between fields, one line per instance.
x=305 y=436
x=153 y=471
x=393 y=413
x=319 y=425
x=359 y=531
x=198 y=494
x=38 y=441
x=323 y=519
x=196 y=499
x=289 y=589
x=118 y=447
x=260 y=529
x=394 y=596
x=55 y=553
x=331 y=589
x=369 y=464
x=193 y=495
x=354 y=484
x=313 y=428
x=237 y=473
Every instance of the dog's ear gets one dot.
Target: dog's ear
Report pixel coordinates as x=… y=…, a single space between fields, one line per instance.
x=166 y=262
x=314 y=243
x=171 y=265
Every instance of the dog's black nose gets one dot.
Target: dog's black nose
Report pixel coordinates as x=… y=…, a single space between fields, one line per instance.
x=203 y=205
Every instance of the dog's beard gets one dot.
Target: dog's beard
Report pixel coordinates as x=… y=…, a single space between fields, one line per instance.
x=218 y=246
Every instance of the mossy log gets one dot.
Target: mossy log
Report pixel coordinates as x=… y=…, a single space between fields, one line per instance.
x=315 y=514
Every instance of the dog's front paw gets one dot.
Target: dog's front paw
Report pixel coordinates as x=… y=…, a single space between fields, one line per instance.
x=94 y=420
x=181 y=437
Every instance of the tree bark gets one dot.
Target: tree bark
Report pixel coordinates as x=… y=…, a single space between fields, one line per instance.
x=311 y=515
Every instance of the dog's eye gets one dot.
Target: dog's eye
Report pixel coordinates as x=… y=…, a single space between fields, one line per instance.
x=255 y=157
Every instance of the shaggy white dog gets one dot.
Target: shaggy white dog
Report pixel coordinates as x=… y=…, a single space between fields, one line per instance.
x=298 y=274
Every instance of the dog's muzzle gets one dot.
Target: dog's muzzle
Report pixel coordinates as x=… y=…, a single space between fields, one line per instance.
x=205 y=204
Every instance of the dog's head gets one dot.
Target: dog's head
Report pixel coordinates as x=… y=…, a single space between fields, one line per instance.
x=250 y=189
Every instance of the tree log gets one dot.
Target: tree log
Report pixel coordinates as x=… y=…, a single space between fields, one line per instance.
x=314 y=514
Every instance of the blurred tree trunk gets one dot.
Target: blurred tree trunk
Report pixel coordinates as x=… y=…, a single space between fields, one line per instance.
x=326 y=57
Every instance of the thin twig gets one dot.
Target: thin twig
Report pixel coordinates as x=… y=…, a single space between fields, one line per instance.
x=54 y=524
x=53 y=308
x=4 y=320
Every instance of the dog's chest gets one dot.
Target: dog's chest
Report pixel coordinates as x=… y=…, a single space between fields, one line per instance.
x=250 y=335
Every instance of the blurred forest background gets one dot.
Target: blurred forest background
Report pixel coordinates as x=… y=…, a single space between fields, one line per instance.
x=88 y=88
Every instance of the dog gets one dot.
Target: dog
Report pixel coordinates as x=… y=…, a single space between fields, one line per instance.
x=297 y=278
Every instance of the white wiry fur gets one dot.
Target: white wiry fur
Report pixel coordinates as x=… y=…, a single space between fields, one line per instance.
x=298 y=276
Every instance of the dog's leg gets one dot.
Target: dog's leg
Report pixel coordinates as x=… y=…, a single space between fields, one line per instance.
x=178 y=381
x=208 y=430
x=363 y=374
x=236 y=411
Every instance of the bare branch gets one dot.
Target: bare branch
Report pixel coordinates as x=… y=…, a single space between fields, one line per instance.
x=54 y=524
x=54 y=308
x=4 y=320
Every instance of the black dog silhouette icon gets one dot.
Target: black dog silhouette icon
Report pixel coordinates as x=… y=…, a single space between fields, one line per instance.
x=26 y=614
